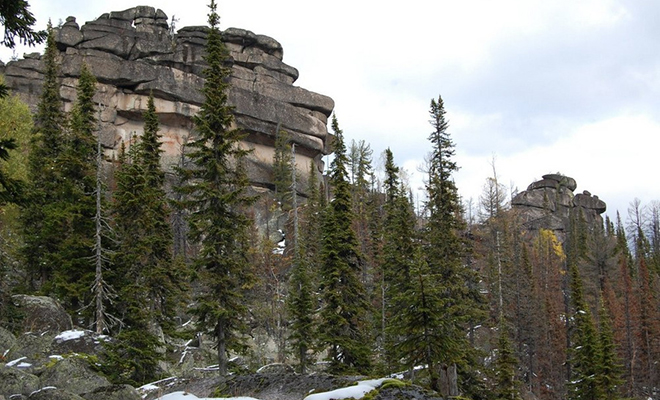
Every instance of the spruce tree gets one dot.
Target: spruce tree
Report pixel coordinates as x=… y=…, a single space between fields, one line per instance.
x=585 y=352
x=399 y=251
x=74 y=275
x=345 y=306
x=610 y=369
x=301 y=306
x=10 y=188
x=283 y=169
x=421 y=329
x=215 y=197
x=151 y=283
x=445 y=249
x=40 y=221
x=507 y=386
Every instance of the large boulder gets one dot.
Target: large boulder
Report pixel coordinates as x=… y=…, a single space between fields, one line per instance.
x=53 y=393
x=42 y=314
x=7 y=341
x=32 y=349
x=77 y=341
x=14 y=381
x=114 y=392
x=73 y=374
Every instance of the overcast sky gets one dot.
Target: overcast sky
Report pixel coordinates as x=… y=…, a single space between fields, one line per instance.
x=569 y=86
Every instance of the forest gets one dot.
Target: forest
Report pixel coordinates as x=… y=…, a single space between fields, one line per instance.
x=465 y=300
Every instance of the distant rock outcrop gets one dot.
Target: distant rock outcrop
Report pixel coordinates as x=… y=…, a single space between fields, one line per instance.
x=550 y=202
x=135 y=52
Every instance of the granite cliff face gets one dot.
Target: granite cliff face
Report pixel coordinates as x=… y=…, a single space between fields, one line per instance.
x=135 y=52
x=550 y=202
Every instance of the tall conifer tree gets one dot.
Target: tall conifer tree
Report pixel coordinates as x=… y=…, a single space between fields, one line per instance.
x=399 y=252
x=445 y=249
x=41 y=225
x=343 y=316
x=585 y=353
x=76 y=206
x=215 y=197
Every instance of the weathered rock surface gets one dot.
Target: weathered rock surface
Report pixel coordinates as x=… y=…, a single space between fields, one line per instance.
x=80 y=341
x=114 y=392
x=42 y=314
x=134 y=52
x=74 y=375
x=53 y=393
x=7 y=340
x=32 y=349
x=549 y=204
x=280 y=386
x=14 y=381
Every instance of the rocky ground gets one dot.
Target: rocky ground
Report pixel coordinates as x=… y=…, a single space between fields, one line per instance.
x=53 y=360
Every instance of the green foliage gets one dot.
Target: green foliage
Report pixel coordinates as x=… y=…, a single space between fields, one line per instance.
x=585 y=352
x=215 y=198
x=40 y=217
x=130 y=358
x=301 y=305
x=422 y=328
x=75 y=206
x=344 y=310
x=399 y=252
x=283 y=170
x=393 y=383
x=609 y=374
x=507 y=386
x=454 y=284
x=144 y=268
x=18 y=21
x=15 y=125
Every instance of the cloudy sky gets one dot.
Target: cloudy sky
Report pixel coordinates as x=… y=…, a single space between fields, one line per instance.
x=569 y=86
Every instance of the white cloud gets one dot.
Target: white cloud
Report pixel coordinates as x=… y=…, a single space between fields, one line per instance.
x=567 y=86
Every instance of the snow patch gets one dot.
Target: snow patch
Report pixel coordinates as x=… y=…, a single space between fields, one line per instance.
x=356 y=392
x=190 y=396
x=15 y=362
x=42 y=389
x=70 y=335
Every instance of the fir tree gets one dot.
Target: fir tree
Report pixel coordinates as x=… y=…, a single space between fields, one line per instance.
x=41 y=222
x=585 y=353
x=151 y=283
x=215 y=196
x=609 y=373
x=76 y=205
x=399 y=252
x=422 y=327
x=343 y=316
x=507 y=386
x=444 y=248
x=283 y=169
x=10 y=188
x=301 y=309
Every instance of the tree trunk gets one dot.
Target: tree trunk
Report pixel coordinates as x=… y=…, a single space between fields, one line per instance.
x=449 y=380
x=222 y=347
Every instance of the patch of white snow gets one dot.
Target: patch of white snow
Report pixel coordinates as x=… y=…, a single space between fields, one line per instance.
x=190 y=396
x=70 y=335
x=356 y=392
x=15 y=362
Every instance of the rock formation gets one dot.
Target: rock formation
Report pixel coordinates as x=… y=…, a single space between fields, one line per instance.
x=550 y=202
x=135 y=52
